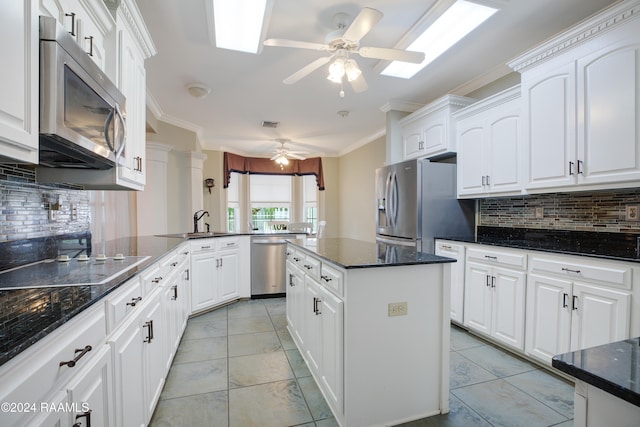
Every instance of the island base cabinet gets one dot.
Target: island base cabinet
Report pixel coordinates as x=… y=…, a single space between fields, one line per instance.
x=596 y=407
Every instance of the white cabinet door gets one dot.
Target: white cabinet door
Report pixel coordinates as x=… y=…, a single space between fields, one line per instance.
x=477 y=297
x=435 y=134
x=295 y=303
x=471 y=174
x=451 y=250
x=129 y=373
x=154 y=331
x=228 y=275
x=548 y=317
x=91 y=390
x=503 y=138
x=312 y=291
x=508 y=288
x=19 y=120
x=549 y=100
x=331 y=311
x=609 y=108
x=413 y=142
x=203 y=277
x=600 y=316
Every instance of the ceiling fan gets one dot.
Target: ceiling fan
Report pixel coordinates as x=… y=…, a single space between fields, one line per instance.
x=341 y=44
x=282 y=154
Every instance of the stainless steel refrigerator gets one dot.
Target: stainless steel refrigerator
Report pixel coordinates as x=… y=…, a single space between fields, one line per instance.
x=416 y=202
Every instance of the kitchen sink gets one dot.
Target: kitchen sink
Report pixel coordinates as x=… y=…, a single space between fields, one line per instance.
x=196 y=235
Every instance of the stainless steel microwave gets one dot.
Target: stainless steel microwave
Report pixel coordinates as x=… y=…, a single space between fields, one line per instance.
x=82 y=113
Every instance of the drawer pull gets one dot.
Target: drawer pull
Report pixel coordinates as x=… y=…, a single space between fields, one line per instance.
x=79 y=353
x=568 y=270
x=308 y=267
x=494 y=258
x=149 y=326
x=326 y=278
x=185 y=253
x=446 y=247
x=157 y=279
x=173 y=264
x=86 y=415
x=205 y=247
x=134 y=301
x=296 y=259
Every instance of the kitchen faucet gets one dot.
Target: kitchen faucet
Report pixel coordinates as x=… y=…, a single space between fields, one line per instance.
x=196 y=218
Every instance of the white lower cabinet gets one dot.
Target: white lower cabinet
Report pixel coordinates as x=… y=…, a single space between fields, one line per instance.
x=456 y=278
x=573 y=305
x=295 y=301
x=495 y=296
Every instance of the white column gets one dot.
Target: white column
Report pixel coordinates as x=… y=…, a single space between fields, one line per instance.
x=195 y=164
x=153 y=201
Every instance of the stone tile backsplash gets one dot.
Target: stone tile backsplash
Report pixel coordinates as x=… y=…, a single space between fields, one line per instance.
x=25 y=206
x=582 y=211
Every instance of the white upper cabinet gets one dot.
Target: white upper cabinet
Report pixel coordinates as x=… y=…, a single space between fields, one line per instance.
x=488 y=135
x=429 y=131
x=581 y=93
x=19 y=83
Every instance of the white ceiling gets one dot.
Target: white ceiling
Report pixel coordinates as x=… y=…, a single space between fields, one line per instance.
x=247 y=89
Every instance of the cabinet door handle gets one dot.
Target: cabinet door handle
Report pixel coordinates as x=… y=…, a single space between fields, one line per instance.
x=149 y=326
x=291 y=280
x=187 y=274
x=484 y=180
x=86 y=415
x=564 y=300
x=488 y=278
x=90 y=38
x=568 y=270
x=574 y=303
x=488 y=180
x=73 y=23
x=316 y=308
x=79 y=353
x=493 y=281
x=570 y=168
x=175 y=292
x=134 y=301
x=579 y=168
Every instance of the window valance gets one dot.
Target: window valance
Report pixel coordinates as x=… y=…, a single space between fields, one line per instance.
x=262 y=166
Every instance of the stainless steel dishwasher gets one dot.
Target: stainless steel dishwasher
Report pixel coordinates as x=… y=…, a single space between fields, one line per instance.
x=268 y=265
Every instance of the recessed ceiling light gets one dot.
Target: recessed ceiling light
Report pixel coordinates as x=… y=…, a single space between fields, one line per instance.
x=455 y=23
x=241 y=24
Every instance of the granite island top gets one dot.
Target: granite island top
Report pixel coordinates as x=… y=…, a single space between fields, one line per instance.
x=606 y=245
x=350 y=253
x=614 y=368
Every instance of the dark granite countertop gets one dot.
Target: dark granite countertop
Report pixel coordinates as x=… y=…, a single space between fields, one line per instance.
x=28 y=315
x=350 y=253
x=614 y=368
x=614 y=246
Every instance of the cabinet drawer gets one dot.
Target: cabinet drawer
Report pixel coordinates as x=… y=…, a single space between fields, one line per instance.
x=332 y=278
x=151 y=278
x=202 y=245
x=449 y=248
x=122 y=302
x=296 y=258
x=228 y=243
x=606 y=274
x=507 y=258
x=311 y=266
x=32 y=375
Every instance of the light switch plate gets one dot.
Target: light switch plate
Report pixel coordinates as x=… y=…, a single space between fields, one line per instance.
x=397 y=309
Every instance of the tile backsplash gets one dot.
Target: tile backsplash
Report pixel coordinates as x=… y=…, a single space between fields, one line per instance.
x=583 y=211
x=25 y=206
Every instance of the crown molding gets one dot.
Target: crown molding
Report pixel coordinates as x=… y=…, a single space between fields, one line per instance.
x=100 y=14
x=399 y=105
x=489 y=102
x=582 y=32
x=133 y=19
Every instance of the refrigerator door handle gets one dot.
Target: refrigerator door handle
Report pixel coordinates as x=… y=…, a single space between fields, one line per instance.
x=393 y=200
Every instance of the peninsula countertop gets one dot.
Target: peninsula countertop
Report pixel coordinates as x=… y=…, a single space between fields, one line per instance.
x=350 y=253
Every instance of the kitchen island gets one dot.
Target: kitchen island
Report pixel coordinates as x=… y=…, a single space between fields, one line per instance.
x=372 y=323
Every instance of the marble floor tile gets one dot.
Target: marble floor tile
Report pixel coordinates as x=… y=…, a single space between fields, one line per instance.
x=208 y=409
x=317 y=405
x=502 y=404
x=259 y=342
x=248 y=325
x=281 y=403
x=258 y=369
x=299 y=366
x=201 y=349
x=279 y=321
x=552 y=391
x=460 y=415
x=213 y=315
x=327 y=422
x=463 y=372
x=498 y=362
x=286 y=340
x=250 y=308
x=205 y=329
x=196 y=378
x=461 y=339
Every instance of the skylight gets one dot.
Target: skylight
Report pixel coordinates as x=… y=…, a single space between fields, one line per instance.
x=455 y=23
x=239 y=24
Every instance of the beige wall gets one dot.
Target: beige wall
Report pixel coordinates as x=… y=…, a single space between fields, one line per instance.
x=215 y=203
x=357 y=190
x=329 y=199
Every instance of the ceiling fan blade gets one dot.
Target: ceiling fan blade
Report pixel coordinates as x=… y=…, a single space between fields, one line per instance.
x=361 y=25
x=391 y=54
x=275 y=156
x=359 y=84
x=295 y=156
x=306 y=70
x=296 y=44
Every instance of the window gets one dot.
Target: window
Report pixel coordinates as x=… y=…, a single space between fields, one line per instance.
x=310 y=200
x=270 y=197
x=233 y=203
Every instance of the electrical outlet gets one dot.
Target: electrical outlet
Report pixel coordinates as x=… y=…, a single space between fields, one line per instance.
x=633 y=213
x=74 y=212
x=539 y=212
x=53 y=215
x=397 y=309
